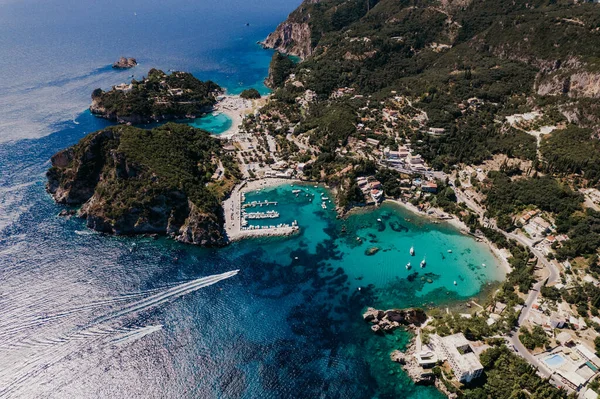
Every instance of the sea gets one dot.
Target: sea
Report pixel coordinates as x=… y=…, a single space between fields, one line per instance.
x=86 y=315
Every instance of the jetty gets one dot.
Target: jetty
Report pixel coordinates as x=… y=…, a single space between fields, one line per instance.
x=255 y=204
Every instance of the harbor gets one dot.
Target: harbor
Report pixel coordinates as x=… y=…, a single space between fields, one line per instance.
x=237 y=225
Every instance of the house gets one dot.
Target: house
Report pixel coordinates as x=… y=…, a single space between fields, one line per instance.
x=429 y=187
x=426 y=358
x=416 y=160
x=124 y=87
x=376 y=194
x=460 y=355
x=541 y=224
x=557 y=321
x=375 y=184
x=588 y=354
x=564 y=338
x=372 y=142
x=436 y=131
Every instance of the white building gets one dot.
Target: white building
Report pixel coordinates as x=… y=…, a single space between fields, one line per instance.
x=459 y=354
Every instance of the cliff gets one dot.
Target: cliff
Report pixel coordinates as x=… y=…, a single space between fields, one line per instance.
x=293 y=38
x=301 y=32
x=134 y=181
x=159 y=97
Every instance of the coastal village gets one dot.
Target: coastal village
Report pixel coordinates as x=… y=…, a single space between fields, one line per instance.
x=270 y=153
x=418 y=182
x=568 y=356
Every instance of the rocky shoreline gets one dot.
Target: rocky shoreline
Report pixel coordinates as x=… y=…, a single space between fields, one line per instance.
x=385 y=322
x=389 y=320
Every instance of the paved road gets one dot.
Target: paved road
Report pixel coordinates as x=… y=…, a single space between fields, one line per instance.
x=533 y=294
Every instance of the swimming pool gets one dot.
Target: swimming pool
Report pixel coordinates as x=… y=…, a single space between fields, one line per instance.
x=555 y=360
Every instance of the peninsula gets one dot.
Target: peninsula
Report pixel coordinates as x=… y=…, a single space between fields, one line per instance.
x=128 y=180
x=156 y=98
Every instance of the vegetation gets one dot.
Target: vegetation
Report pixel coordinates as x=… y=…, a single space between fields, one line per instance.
x=536 y=338
x=507 y=375
x=573 y=150
x=250 y=94
x=158 y=97
x=506 y=196
x=142 y=179
x=280 y=68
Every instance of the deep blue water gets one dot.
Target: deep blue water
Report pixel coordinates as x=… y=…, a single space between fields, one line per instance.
x=87 y=315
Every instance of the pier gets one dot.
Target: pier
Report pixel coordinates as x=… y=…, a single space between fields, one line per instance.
x=255 y=204
x=260 y=215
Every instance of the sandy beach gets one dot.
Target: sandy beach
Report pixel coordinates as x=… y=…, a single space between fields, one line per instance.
x=236 y=108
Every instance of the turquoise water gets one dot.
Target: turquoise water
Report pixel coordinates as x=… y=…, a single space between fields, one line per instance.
x=393 y=230
x=88 y=315
x=215 y=124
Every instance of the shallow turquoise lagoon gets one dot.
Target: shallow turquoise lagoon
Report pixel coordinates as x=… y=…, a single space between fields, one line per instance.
x=213 y=123
x=455 y=264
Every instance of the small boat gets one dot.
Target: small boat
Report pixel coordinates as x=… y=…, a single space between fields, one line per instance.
x=423 y=263
x=379 y=220
x=324 y=198
x=412 y=251
x=449 y=251
x=454 y=282
x=296 y=191
x=483 y=264
x=324 y=205
x=408 y=266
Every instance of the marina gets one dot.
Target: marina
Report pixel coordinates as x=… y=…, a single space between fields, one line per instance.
x=237 y=225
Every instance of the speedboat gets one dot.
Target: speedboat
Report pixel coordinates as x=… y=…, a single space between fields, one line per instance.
x=408 y=266
x=412 y=251
x=423 y=263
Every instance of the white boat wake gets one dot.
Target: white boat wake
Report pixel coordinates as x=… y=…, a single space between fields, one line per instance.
x=28 y=358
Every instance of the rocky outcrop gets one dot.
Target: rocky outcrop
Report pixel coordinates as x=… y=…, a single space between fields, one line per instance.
x=294 y=35
x=578 y=84
x=389 y=320
x=121 y=196
x=125 y=63
x=293 y=38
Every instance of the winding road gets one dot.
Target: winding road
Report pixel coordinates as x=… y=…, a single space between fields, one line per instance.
x=533 y=294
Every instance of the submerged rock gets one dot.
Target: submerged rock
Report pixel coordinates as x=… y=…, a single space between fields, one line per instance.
x=372 y=251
